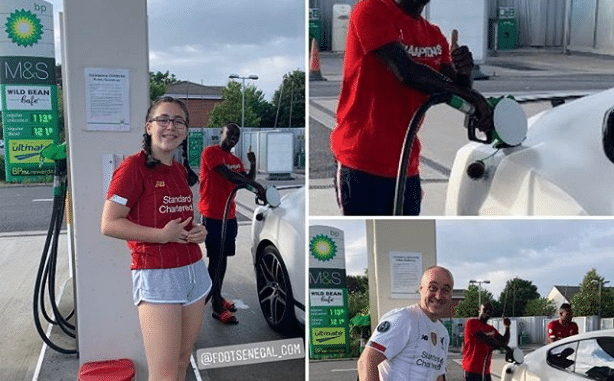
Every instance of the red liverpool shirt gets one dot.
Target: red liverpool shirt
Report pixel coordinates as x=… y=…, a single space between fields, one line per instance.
x=214 y=188
x=375 y=109
x=475 y=351
x=155 y=197
x=557 y=331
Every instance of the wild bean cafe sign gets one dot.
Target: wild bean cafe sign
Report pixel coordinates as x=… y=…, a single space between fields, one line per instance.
x=328 y=312
x=28 y=88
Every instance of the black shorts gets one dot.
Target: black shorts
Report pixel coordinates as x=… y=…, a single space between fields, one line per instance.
x=213 y=240
x=363 y=194
x=477 y=377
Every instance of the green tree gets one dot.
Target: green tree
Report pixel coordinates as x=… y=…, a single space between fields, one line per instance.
x=358 y=303
x=230 y=108
x=358 y=294
x=267 y=114
x=289 y=100
x=158 y=83
x=516 y=295
x=470 y=305
x=587 y=303
x=607 y=302
x=540 y=307
x=357 y=283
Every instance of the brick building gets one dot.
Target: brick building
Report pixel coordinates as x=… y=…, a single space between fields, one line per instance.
x=200 y=100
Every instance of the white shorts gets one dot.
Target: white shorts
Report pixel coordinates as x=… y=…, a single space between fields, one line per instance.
x=181 y=285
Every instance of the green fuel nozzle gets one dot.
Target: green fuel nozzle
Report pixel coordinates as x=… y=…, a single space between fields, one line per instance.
x=57 y=153
x=509 y=121
x=54 y=152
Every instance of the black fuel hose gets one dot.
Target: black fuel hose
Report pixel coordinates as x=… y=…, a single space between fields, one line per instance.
x=48 y=263
x=231 y=196
x=217 y=275
x=399 y=192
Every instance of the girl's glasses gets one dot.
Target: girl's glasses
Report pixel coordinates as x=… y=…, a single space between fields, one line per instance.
x=165 y=120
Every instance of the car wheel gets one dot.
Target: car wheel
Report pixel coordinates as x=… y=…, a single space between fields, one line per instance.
x=274 y=290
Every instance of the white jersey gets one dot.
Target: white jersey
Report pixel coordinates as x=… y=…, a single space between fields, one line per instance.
x=416 y=348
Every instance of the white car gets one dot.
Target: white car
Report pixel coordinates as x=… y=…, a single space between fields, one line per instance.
x=565 y=167
x=587 y=356
x=278 y=250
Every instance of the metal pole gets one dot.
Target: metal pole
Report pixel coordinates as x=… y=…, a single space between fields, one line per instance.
x=514 y=300
x=291 y=101
x=279 y=104
x=479 y=282
x=243 y=103
x=479 y=295
x=237 y=76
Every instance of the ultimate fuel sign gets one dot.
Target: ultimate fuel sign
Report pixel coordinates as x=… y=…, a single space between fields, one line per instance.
x=328 y=312
x=28 y=88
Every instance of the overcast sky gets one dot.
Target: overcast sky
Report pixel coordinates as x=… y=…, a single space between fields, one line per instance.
x=205 y=41
x=546 y=252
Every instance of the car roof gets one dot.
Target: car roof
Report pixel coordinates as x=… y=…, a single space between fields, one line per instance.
x=584 y=336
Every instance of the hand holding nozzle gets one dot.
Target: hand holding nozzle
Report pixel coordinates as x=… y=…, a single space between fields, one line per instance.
x=479 y=111
x=483 y=114
x=261 y=193
x=479 y=115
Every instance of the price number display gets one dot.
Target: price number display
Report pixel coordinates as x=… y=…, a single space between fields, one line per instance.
x=41 y=118
x=337 y=317
x=335 y=322
x=42 y=131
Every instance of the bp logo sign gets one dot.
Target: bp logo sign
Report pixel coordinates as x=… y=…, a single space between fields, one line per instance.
x=24 y=28
x=322 y=247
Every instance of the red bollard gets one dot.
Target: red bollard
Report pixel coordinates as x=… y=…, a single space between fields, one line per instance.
x=110 y=370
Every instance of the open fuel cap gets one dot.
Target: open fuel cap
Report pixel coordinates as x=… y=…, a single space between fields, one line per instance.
x=516 y=356
x=510 y=122
x=272 y=196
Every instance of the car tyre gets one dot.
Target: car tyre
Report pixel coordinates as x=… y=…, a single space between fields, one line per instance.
x=274 y=290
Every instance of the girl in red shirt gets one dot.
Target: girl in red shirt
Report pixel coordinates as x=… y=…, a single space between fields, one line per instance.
x=149 y=204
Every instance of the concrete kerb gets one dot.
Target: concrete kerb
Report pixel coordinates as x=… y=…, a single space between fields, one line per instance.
x=522 y=61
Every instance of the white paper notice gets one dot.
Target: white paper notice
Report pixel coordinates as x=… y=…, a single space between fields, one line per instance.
x=405 y=274
x=107 y=98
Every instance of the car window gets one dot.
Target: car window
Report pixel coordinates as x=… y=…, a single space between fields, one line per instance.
x=563 y=356
x=608 y=134
x=595 y=359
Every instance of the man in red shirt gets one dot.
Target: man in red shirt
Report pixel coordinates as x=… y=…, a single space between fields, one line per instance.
x=563 y=327
x=480 y=340
x=220 y=173
x=394 y=60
